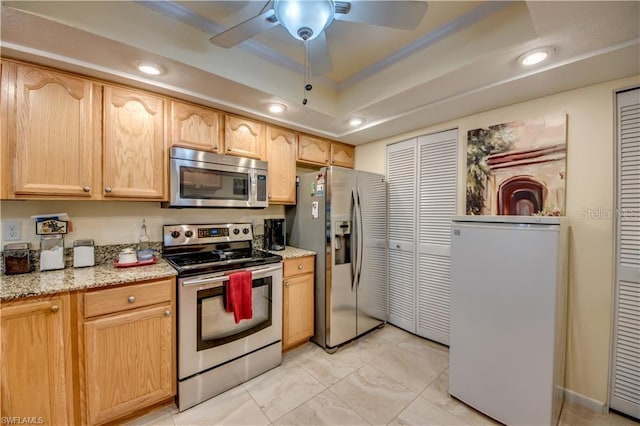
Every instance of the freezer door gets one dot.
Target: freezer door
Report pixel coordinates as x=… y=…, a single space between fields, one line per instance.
x=340 y=286
x=371 y=273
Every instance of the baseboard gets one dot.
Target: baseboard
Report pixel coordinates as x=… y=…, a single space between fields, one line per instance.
x=589 y=403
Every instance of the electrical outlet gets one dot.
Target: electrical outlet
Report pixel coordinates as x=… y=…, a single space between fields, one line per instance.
x=11 y=230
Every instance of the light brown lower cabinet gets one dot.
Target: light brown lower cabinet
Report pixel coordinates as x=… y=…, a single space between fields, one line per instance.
x=129 y=351
x=298 y=301
x=36 y=363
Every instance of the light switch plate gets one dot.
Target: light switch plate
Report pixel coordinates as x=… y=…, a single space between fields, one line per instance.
x=11 y=230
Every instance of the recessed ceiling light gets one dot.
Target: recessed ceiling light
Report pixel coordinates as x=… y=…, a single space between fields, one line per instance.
x=149 y=68
x=534 y=57
x=277 y=108
x=356 y=121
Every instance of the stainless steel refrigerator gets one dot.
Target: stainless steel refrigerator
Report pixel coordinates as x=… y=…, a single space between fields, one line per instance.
x=341 y=214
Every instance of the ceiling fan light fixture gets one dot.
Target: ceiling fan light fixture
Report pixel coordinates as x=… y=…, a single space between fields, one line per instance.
x=276 y=108
x=304 y=19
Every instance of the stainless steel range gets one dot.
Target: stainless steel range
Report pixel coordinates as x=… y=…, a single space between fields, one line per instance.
x=214 y=352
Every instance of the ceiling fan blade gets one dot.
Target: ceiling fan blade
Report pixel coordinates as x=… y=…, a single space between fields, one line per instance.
x=404 y=15
x=245 y=30
x=319 y=57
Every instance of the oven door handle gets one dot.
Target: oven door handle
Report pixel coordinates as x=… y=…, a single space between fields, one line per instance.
x=257 y=273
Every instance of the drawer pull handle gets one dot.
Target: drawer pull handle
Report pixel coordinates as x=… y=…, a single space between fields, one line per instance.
x=55 y=308
x=300 y=267
x=86 y=189
x=131 y=299
x=167 y=313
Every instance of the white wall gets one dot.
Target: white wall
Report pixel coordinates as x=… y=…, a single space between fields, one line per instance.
x=118 y=222
x=589 y=207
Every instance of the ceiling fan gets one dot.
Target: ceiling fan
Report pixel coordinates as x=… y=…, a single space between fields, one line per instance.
x=306 y=20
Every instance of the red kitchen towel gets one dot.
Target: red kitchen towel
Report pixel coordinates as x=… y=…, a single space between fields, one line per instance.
x=239 y=292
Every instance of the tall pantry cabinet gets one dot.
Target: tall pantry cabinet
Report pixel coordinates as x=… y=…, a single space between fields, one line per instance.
x=422 y=176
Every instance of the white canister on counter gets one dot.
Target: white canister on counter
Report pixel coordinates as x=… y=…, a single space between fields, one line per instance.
x=83 y=253
x=51 y=252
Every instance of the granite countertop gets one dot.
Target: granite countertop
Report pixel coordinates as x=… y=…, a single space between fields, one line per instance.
x=71 y=279
x=292 y=252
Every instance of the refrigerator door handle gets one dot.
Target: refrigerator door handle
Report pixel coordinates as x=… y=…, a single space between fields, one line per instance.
x=353 y=248
x=360 y=241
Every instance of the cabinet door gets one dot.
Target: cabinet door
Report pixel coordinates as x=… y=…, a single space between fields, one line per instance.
x=298 y=305
x=244 y=137
x=281 y=155
x=313 y=150
x=36 y=361
x=197 y=127
x=134 y=142
x=343 y=155
x=53 y=138
x=128 y=359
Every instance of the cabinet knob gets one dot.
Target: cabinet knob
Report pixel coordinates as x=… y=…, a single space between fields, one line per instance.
x=397 y=245
x=269 y=196
x=167 y=313
x=131 y=299
x=333 y=161
x=229 y=149
x=54 y=308
x=286 y=283
x=300 y=267
x=86 y=189
x=215 y=147
x=107 y=189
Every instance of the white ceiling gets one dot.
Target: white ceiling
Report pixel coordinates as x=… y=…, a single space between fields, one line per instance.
x=461 y=59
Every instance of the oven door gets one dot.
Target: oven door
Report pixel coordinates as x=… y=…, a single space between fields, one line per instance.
x=199 y=184
x=208 y=335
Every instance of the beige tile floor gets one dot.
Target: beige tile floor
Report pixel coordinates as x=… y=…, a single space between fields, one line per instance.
x=386 y=377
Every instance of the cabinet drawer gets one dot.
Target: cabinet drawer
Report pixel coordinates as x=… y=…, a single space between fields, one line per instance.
x=300 y=265
x=123 y=298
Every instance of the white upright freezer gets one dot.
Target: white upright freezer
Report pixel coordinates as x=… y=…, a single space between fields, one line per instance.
x=508 y=316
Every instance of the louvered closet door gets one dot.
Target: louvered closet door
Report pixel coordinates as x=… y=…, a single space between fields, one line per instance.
x=437 y=172
x=625 y=386
x=401 y=178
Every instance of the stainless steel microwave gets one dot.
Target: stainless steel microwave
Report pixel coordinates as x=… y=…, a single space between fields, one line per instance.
x=205 y=179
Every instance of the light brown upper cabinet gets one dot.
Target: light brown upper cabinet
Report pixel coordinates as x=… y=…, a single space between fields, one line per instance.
x=134 y=144
x=244 y=137
x=197 y=127
x=313 y=150
x=281 y=155
x=52 y=142
x=316 y=151
x=342 y=155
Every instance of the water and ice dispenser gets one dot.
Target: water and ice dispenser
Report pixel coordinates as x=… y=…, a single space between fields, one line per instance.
x=342 y=245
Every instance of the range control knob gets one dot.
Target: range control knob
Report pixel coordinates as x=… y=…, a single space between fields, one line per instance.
x=188 y=234
x=175 y=234
x=245 y=231
x=236 y=231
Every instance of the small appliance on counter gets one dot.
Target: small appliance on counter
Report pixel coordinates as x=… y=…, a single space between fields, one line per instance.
x=17 y=258
x=51 y=252
x=83 y=253
x=274 y=234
